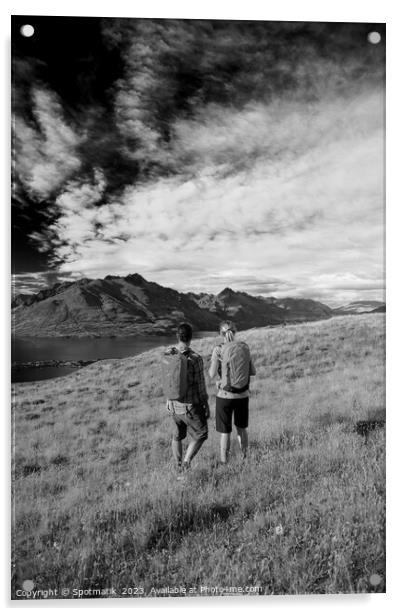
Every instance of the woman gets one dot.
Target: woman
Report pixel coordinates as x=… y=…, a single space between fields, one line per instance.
x=232 y=363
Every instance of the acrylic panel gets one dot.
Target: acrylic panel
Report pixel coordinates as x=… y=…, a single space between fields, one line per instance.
x=198 y=314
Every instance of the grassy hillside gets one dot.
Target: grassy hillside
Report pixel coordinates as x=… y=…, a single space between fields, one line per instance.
x=97 y=503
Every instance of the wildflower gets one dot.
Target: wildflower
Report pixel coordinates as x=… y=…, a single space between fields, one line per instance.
x=28 y=585
x=279 y=529
x=375 y=579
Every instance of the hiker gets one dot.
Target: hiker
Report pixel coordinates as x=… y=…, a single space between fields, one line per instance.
x=187 y=402
x=232 y=363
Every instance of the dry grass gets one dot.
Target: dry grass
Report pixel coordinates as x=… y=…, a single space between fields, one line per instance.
x=97 y=503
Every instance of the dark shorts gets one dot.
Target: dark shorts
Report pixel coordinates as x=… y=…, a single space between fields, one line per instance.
x=193 y=421
x=225 y=408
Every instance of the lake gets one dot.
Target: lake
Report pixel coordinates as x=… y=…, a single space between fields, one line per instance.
x=45 y=349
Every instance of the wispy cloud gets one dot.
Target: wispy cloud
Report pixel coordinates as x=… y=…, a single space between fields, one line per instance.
x=46 y=154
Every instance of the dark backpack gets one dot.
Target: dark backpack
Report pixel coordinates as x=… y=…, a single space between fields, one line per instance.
x=236 y=360
x=174 y=374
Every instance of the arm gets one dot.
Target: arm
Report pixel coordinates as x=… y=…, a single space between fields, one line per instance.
x=213 y=369
x=202 y=390
x=201 y=387
x=252 y=368
x=169 y=403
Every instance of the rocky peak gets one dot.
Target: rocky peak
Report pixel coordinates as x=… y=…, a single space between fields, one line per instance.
x=135 y=279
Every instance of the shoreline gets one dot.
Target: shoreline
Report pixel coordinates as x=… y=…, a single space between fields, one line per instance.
x=53 y=363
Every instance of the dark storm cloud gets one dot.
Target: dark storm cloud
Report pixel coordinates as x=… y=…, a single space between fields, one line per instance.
x=117 y=93
x=141 y=143
x=178 y=70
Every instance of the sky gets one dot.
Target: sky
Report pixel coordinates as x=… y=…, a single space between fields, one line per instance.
x=200 y=154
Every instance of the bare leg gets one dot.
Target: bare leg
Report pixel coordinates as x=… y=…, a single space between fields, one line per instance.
x=177 y=450
x=242 y=437
x=192 y=449
x=225 y=447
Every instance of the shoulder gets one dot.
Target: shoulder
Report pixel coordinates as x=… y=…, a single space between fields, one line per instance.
x=172 y=350
x=194 y=355
x=196 y=359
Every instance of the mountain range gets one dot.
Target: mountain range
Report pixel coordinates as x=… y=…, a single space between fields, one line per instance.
x=131 y=305
x=360 y=307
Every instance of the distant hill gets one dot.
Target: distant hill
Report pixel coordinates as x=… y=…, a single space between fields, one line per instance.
x=121 y=306
x=303 y=309
x=379 y=309
x=361 y=307
x=246 y=310
x=250 y=311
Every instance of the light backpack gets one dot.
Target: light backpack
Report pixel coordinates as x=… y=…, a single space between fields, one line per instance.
x=174 y=374
x=235 y=367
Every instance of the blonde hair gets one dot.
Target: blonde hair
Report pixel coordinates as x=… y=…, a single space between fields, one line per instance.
x=227 y=329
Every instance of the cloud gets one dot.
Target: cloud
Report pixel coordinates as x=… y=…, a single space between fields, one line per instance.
x=179 y=70
x=232 y=152
x=336 y=289
x=232 y=141
x=309 y=207
x=29 y=283
x=45 y=153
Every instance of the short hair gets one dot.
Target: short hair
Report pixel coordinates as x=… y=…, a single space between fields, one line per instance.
x=184 y=332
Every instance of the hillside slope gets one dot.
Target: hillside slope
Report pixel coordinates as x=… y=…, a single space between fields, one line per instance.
x=97 y=503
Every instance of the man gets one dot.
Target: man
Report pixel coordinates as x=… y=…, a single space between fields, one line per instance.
x=191 y=412
x=232 y=397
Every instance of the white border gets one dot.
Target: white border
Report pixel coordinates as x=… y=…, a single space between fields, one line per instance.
x=287 y=10
x=372 y=11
